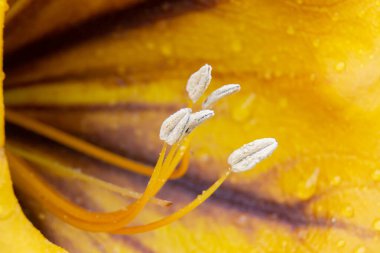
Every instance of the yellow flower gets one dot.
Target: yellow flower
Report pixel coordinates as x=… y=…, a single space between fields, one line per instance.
x=110 y=71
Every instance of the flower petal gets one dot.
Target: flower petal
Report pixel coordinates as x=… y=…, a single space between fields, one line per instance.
x=310 y=79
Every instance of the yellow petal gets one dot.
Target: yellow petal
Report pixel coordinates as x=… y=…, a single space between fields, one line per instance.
x=309 y=75
x=17 y=233
x=22 y=15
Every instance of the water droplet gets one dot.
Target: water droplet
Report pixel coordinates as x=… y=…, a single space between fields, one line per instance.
x=236 y=46
x=307 y=189
x=335 y=17
x=341 y=243
x=348 y=212
x=267 y=75
x=283 y=103
x=376 y=175
x=336 y=181
x=242 y=110
x=340 y=66
x=150 y=45
x=166 y=50
x=376 y=225
x=242 y=219
x=361 y=249
x=290 y=30
x=316 y=42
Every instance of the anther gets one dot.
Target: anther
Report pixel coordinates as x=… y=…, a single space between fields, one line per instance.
x=198 y=82
x=246 y=157
x=174 y=127
x=198 y=118
x=217 y=94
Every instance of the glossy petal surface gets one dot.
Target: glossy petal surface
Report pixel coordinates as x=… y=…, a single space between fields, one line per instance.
x=309 y=77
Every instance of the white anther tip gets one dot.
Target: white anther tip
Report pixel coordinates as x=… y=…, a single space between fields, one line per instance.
x=198 y=118
x=198 y=82
x=220 y=93
x=247 y=156
x=173 y=128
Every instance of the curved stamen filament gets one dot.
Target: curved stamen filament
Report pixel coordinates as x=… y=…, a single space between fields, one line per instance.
x=86 y=147
x=42 y=190
x=61 y=170
x=80 y=217
x=24 y=175
x=179 y=214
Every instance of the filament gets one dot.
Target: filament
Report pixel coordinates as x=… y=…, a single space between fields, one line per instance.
x=179 y=214
x=61 y=170
x=80 y=217
x=58 y=204
x=86 y=147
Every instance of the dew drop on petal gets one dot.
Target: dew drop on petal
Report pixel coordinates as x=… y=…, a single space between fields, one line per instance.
x=376 y=175
x=340 y=66
x=307 y=189
x=336 y=181
x=236 y=46
x=376 y=224
x=242 y=110
x=290 y=30
x=341 y=243
x=166 y=50
x=348 y=212
x=41 y=216
x=360 y=249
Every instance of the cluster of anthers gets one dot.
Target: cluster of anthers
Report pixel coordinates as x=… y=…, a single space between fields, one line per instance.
x=175 y=132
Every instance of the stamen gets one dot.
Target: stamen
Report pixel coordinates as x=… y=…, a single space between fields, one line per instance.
x=218 y=94
x=173 y=128
x=172 y=121
x=61 y=170
x=70 y=212
x=174 y=131
x=180 y=213
x=247 y=156
x=198 y=118
x=81 y=145
x=76 y=215
x=198 y=82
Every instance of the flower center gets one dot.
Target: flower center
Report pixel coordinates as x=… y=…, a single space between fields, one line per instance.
x=172 y=163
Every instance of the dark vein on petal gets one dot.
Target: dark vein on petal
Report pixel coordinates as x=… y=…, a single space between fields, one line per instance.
x=294 y=216
x=140 y=15
x=132 y=107
x=136 y=244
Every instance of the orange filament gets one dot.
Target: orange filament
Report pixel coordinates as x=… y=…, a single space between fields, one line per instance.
x=39 y=189
x=53 y=201
x=54 y=168
x=86 y=147
x=116 y=221
x=179 y=214
x=75 y=215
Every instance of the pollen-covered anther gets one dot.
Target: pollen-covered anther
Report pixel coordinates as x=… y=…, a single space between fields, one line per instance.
x=198 y=118
x=198 y=82
x=246 y=157
x=174 y=127
x=218 y=94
